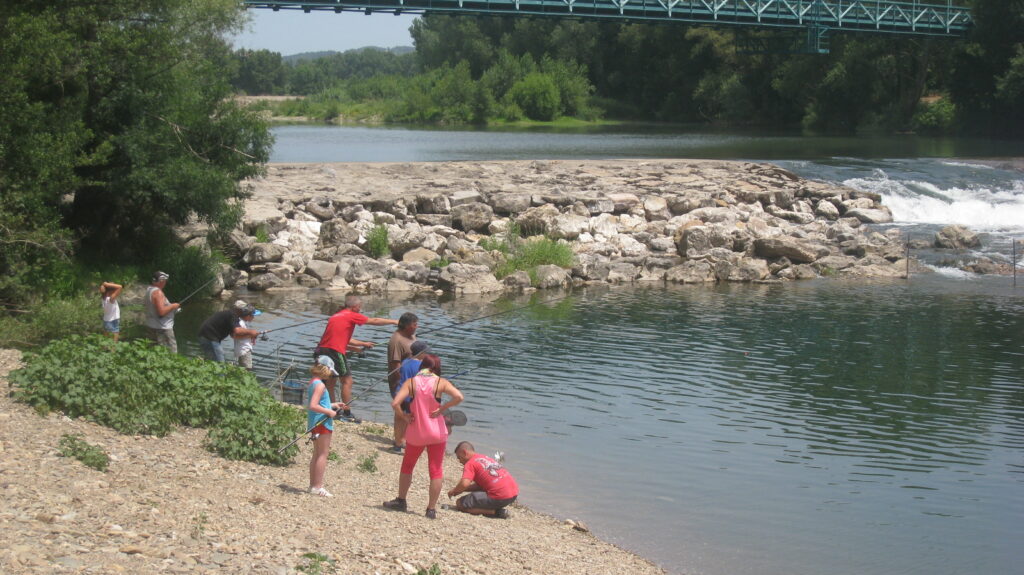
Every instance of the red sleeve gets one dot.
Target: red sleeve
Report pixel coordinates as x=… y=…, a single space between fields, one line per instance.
x=359 y=319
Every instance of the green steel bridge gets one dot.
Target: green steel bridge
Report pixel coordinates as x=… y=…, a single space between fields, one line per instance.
x=813 y=18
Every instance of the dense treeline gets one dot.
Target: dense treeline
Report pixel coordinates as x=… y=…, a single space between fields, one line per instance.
x=510 y=68
x=116 y=123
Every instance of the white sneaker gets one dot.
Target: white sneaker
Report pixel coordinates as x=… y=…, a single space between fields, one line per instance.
x=320 y=491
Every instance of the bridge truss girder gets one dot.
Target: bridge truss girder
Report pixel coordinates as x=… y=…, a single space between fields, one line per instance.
x=911 y=18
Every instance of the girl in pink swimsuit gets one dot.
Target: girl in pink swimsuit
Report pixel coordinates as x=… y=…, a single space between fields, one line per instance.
x=426 y=430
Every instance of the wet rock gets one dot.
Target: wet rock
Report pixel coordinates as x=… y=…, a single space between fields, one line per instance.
x=264 y=281
x=956 y=238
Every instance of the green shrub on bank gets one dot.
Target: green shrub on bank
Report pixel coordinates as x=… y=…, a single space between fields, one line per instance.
x=52 y=319
x=377 y=241
x=526 y=256
x=136 y=388
x=89 y=455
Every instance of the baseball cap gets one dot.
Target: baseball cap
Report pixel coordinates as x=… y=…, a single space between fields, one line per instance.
x=241 y=305
x=328 y=362
x=250 y=310
x=160 y=276
x=418 y=347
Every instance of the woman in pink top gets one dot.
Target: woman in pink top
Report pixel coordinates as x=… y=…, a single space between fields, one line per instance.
x=426 y=429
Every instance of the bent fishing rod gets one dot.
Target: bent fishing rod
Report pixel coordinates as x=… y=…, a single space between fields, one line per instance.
x=186 y=298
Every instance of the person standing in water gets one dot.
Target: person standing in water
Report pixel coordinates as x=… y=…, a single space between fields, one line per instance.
x=160 y=313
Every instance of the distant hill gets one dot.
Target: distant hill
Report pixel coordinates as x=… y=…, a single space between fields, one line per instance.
x=301 y=57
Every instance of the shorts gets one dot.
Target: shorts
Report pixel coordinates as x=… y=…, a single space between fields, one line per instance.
x=245 y=360
x=480 y=500
x=340 y=365
x=320 y=430
x=112 y=326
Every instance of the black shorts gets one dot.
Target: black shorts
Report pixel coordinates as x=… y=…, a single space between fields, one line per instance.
x=340 y=365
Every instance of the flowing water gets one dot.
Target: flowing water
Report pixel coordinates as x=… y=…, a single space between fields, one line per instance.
x=819 y=427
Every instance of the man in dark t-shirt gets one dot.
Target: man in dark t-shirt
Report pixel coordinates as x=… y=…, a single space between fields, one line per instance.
x=221 y=325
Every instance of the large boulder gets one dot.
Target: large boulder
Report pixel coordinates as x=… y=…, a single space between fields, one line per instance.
x=956 y=238
x=263 y=253
x=537 y=220
x=321 y=270
x=472 y=217
x=568 y=226
x=797 y=251
x=691 y=272
x=510 y=204
x=321 y=208
x=336 y=232
x=264 y=281
x=363 y=269
x=550 y=276
x=698 y=240
x=880 y=215
x=461 y=279
x=741 y=270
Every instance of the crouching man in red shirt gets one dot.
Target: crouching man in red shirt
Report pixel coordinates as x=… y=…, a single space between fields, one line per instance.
x=491 y=486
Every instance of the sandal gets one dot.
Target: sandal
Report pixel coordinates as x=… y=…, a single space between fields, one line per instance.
x=320 y=491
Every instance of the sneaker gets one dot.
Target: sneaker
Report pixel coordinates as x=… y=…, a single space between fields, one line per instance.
x=347 y=416
x=396 y=504
x=431 y=513
x=397 y=449
x=320 y=491
x=501 y=513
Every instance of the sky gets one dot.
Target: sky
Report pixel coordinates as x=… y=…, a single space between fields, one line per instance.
x=293 y=31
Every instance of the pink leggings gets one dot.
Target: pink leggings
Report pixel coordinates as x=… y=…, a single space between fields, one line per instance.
x=435 y=458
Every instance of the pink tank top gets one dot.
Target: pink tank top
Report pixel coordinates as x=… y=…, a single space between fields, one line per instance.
x=425 y=430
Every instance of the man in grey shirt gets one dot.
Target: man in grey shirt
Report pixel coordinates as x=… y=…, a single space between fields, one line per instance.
x=160 y=313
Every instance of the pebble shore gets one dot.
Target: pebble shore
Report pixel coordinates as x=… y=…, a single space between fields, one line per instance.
x=166 y=505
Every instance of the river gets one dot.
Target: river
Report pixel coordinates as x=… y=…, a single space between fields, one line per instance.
x=821 y=427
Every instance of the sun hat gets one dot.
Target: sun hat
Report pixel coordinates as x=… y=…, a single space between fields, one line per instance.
x=241 y=305
x=327 y=362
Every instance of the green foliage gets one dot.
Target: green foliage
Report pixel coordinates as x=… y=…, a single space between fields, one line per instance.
x=374 y=429
x=377 y=241
x=526 y=256
x=189 y=269
x=137 y=388
x=259 y=72
x=52 y=319
x=935 y=118
x=115 y=124
x=434 y=570
x=199 y=525
x=368 y=464
x=537 y=96
x=317 y=564
x=439 y=263
x=261 y=234
x=90 y=455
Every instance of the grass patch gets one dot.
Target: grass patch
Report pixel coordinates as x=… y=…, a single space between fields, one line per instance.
x=90 y=455
x=377 y=241
x=374 y=429
x=368 y=464
x=44 y=321
x=136 y=388
x=317 y=564
x=526 y=256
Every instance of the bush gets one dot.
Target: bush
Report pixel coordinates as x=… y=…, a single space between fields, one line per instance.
x=528 y=255
x=51 y=319
x=935 y=118
x=90 y=455
x=137 y=388
x=537 y=96
x=377 y=241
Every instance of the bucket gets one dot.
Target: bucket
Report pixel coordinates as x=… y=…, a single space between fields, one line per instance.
x=292 y=391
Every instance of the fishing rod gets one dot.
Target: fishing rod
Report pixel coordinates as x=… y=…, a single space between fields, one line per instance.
x=184 y=299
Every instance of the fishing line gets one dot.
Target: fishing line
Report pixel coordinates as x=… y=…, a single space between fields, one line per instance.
x=186 y=298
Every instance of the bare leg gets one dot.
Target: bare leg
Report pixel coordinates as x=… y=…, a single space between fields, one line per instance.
x=346 y=389
x=400 y=425
x=318 y=464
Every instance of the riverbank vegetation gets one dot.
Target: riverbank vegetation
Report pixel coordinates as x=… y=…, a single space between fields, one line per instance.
x=485 y=70
x=116 y=124
x=135 y=388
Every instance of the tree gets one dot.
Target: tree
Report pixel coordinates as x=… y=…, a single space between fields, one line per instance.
x=116 y=121
x=260 y=72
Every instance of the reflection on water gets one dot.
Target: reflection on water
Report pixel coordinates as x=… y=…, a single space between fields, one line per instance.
x=815 y=427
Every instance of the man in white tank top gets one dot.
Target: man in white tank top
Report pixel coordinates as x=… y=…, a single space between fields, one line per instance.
x=160 y=313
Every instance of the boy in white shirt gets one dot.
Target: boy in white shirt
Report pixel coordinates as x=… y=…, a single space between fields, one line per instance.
x=245 y=338
x=111 y=309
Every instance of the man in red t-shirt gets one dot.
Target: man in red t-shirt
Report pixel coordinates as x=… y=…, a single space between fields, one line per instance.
x=491 y=486
x=337 y=340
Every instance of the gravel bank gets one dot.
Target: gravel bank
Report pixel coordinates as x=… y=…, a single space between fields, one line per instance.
x=167 y=505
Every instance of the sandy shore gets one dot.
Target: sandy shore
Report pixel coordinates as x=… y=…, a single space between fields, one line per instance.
x=167 y=505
